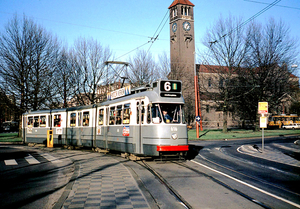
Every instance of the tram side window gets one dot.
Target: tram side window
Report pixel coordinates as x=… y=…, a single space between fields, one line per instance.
x=57 y=120
x=149 y=114
x=36 y=121
x=43 y=120
x=126 y=115
x=30 y=121
x=107 y=116
x=101 y=116
x=73 y=119
x=155 y=112
x=49 y=120
x=86 y=118
x=80 y=119
x=119 y=115
x=142 y=108
x=112 y=115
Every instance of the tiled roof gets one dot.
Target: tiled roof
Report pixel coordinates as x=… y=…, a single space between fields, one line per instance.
x=184 y=2
x=221 y=69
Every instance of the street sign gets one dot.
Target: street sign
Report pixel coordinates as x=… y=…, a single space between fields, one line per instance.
x=263 y=107
x=198 y=118
x=263 y=122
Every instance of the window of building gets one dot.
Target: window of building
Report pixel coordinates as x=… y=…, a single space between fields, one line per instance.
x=221 y=83
x=86 y=118
x=209 y=82
x=207 y=108
x=73 y=119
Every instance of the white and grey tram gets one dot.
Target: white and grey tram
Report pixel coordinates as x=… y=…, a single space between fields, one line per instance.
x=147 y=121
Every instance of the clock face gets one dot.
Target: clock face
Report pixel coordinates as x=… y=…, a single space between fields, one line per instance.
x=186 y=26
x=174 y=27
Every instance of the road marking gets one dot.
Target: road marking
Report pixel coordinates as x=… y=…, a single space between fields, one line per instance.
x=10 y=162
x=249 y=185
x=50 y=158
x=31 y=160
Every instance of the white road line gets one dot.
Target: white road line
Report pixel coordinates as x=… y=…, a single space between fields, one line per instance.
x=10 y=162
x=249 y=185
x=31 y=160
x=50 y=158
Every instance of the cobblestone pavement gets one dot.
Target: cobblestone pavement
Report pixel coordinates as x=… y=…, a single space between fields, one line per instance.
x=103 y=182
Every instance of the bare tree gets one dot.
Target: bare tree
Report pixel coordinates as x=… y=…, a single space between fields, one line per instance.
x=272 y=53
x=164 y=66
x=64 y=81
x=43 y=63
x=143 y=69
x=14 y=50
x=89 y=57
x=247 y=66
x=227 y=48
x=27 y=60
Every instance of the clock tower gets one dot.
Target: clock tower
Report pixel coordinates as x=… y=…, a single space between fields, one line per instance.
x=182 y=40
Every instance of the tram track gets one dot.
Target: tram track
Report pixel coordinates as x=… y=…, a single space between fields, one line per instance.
x=182 y=201
x=224 y=185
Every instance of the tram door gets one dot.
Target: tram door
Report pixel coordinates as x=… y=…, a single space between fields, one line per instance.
x=140 y=120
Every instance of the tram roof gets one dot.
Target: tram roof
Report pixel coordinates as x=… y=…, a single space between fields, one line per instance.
x=153 y=96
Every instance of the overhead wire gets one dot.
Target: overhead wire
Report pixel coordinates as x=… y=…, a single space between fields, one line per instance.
x=247 y=21
x=153 y=38
x=155 y=35
x=259 y=2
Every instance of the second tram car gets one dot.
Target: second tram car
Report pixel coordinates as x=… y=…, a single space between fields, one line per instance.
x=146 y=121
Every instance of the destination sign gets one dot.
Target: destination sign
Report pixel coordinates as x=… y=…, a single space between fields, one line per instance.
x=119 y=93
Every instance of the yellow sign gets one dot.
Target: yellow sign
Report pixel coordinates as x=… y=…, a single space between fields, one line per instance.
x=263 y=107
x=49 y=138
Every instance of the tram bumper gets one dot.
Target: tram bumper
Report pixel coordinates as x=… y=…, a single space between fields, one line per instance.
x=172 y=148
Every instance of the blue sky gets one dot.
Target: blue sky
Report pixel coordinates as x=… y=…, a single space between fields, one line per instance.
x=125 y=25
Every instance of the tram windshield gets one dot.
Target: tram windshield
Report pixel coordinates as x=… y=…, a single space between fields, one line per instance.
x=167 y=113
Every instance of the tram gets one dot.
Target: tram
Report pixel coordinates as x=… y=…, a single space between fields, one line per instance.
x=144 y=121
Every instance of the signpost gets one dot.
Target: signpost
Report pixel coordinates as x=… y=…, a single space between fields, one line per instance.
x=263 y=122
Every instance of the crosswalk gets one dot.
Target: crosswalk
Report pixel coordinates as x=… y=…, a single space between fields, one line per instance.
x=33 y=160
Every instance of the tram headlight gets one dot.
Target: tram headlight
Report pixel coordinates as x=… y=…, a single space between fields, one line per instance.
x=174 y=136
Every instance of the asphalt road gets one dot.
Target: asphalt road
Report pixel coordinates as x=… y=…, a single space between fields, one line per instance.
x=271 y=183
x=30 y=179
x=216 y=176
